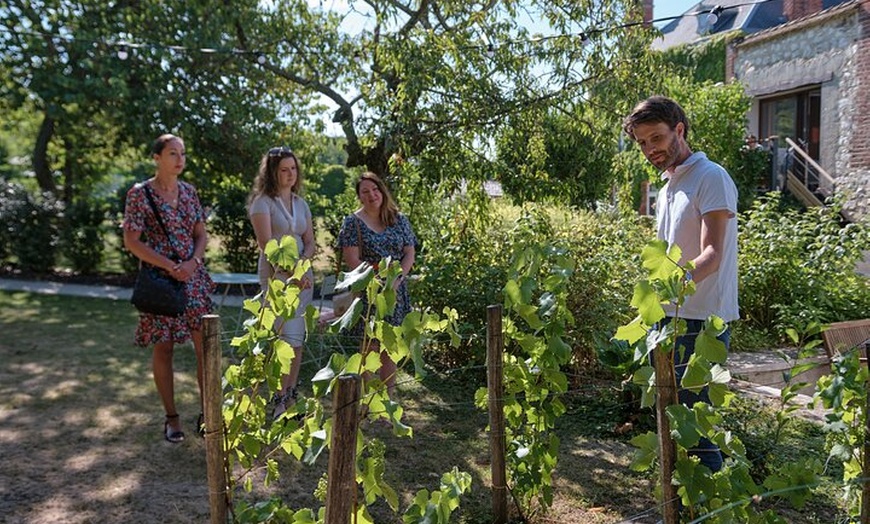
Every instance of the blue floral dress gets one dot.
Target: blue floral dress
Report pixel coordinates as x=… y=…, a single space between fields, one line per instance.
x=179 y=221
x=390 y=243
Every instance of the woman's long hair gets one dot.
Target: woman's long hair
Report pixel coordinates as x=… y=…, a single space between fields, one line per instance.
x=266 y=181
x=389 y=211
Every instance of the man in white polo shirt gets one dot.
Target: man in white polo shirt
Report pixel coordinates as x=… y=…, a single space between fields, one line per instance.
x=696 y=210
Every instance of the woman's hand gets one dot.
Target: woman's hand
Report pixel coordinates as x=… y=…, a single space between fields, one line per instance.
x=184 y=271
x=304 y=282
x=398 y=282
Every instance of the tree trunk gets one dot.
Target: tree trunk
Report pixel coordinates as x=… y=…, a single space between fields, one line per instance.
x=40 y=155
x=68 y=173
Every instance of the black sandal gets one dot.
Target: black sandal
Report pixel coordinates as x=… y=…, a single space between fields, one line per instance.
x=281 y=402
x=172 y=435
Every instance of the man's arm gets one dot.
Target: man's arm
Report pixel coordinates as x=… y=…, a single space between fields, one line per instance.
x=713 y=226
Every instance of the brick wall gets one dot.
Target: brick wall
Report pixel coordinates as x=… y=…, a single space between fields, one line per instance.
x=647 y=12
x=860 y=143
x=794 y=9
x=730 y=60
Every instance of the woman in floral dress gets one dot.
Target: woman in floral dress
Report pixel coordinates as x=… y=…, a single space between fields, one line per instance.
x=181 y=256
x=385 y=233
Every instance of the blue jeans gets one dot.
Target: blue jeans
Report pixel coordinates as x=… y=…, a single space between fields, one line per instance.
x=707 y=452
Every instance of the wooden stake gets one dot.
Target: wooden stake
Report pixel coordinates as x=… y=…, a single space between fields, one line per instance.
x=214 y=435
x=666 y=388
x=495 y=387
x=865 y=481
x=341 y=486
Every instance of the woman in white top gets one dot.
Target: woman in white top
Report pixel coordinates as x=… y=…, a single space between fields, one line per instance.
x=277 y=210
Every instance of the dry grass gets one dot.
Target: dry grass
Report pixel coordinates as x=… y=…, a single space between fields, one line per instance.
x=80 y=433
x=81 y=424
x=80 y=429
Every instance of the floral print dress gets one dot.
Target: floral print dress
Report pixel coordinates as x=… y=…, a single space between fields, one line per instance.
x=179 y=221
x=389 y=243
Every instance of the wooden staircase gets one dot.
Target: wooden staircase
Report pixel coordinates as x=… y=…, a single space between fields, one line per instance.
x=806 y=179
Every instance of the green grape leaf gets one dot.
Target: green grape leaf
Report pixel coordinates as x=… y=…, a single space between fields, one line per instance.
x=512 y=294
x=631 y=332
x=647 y=303
x=285 y=354
x=697 y=373
x=707 y=345
x=645 y=378
x=659 y=260
x=685 y=428
x=647 y=445
x=351 y=316
x=283 y=252
x=315 y=448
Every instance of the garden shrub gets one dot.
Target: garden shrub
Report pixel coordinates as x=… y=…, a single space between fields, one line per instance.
x=750 y=171
x=799 y=267
x=332 y=183
x=31 y=226
x=342 y=205
x=606 y=247
x=229 y=221
x=82 y=237
x=116 y=205
x=464 y=267
x=7 y=197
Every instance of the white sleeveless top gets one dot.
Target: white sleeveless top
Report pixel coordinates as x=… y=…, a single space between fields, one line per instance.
x=284 y=222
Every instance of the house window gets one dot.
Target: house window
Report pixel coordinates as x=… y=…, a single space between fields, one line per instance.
x=796 y=116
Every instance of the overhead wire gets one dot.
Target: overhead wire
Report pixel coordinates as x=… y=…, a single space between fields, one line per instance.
x=123 y=46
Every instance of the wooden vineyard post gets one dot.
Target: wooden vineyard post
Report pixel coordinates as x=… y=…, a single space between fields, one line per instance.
x=495 y=388
x=865 y=476
x=214 y=435
x=666 y=395
x=341 y=487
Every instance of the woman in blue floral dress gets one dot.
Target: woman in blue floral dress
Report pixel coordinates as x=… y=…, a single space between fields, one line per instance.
x=384 y=233
x=181 y=257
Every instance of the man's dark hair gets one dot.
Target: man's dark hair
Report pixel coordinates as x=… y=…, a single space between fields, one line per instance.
x=653 y=110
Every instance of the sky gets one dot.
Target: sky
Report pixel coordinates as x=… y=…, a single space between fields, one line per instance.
x=666 y=8
x=661 y=9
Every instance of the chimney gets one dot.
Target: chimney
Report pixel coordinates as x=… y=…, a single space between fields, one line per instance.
x=648 y=12
x=794 y=9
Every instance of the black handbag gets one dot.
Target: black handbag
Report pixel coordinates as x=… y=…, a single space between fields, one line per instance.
x=156 y=292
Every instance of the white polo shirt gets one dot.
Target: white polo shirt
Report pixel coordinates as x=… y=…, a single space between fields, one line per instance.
x=699 y=186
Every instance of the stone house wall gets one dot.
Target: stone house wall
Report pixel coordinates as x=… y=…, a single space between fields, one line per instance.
x=829 y=51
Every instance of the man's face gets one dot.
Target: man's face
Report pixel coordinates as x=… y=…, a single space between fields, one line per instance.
x=660 y=144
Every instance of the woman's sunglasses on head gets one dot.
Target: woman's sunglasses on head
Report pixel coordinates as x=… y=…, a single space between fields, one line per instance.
x=281 y=151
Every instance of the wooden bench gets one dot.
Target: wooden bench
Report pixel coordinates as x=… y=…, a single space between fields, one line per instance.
x=842 y=337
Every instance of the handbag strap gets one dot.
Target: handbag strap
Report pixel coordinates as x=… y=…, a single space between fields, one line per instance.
x=359 y=242
x=157 y=214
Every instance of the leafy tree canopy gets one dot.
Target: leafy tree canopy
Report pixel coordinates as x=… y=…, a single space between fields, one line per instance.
x=97 y=98
x=435 y=82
